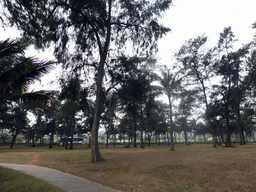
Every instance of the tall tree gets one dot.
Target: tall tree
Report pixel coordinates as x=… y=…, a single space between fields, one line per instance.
x=187 y=101
x=73 y=100
x=170 y=83
x=98 y=26
x=199 y=63
x=135 y=92
x=231 y=91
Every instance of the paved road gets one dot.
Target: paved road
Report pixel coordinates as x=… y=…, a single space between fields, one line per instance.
x=68 y=182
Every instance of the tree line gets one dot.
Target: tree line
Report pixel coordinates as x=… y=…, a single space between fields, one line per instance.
x=103 y=86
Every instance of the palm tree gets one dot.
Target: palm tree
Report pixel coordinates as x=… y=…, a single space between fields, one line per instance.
x=169 y=84
x=17 y=72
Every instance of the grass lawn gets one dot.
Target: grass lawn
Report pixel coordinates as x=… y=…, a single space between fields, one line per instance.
x=196 y=167
x=15 y=181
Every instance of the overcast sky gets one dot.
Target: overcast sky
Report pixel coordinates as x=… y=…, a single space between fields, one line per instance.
x=189 y=19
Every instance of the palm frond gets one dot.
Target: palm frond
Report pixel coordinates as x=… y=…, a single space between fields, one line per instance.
x=17 y=72
x=35 y=99
x=10 y=47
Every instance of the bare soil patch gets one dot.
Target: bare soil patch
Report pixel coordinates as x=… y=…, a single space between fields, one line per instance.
x=34 y=159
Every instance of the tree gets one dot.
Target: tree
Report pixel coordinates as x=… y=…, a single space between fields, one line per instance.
x=125 y=127
x=135 y=90
x=169 y=84
x=17 y=72
x=95 y=27
x=73 y=100
x=201 y=129
x=249 y=84
x=19 y=122
x=109 y=117
x=39 y=126
x=133 y=93
x=5 y=119
x=230 y=91
x=199 y=65
x=188 y=99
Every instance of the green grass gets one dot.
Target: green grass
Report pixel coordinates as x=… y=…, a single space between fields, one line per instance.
x=196 y=167
x=15 y=181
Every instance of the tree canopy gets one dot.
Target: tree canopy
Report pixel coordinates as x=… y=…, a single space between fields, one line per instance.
x=95 y=30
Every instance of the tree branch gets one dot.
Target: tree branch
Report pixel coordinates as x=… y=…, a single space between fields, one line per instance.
x=86 y=18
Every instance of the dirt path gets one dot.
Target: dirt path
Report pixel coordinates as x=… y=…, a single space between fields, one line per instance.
x=34 y=159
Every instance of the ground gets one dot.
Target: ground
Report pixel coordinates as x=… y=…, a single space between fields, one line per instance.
x=188 y=168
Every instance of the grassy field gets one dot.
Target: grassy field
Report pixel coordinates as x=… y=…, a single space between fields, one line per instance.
x=196 y=167
x=15 y=181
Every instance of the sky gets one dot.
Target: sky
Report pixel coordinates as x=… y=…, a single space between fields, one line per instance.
x=191 y=18
x=186 y=19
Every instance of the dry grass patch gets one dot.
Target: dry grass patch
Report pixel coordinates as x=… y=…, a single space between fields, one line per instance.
x=189 y=168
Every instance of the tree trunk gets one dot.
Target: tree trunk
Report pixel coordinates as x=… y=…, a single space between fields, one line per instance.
x=186 y=138
x=129 y=139
x=149 y=139
x=96 y=156
x=89 y=142
x=52 y=135
x=141 y=139
x=135 y=129
x=214 y=131
x=107 y=140
x=115 y=141
x=171 y=122
x=33 y=139
x=241 y=135
x=142 y=128
x=13 y=140
x=66 y=146
x=71 y=142
x=222 y=138
x=72 y=125
x=228 y=140
x=168 y=140
x=50 y=144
